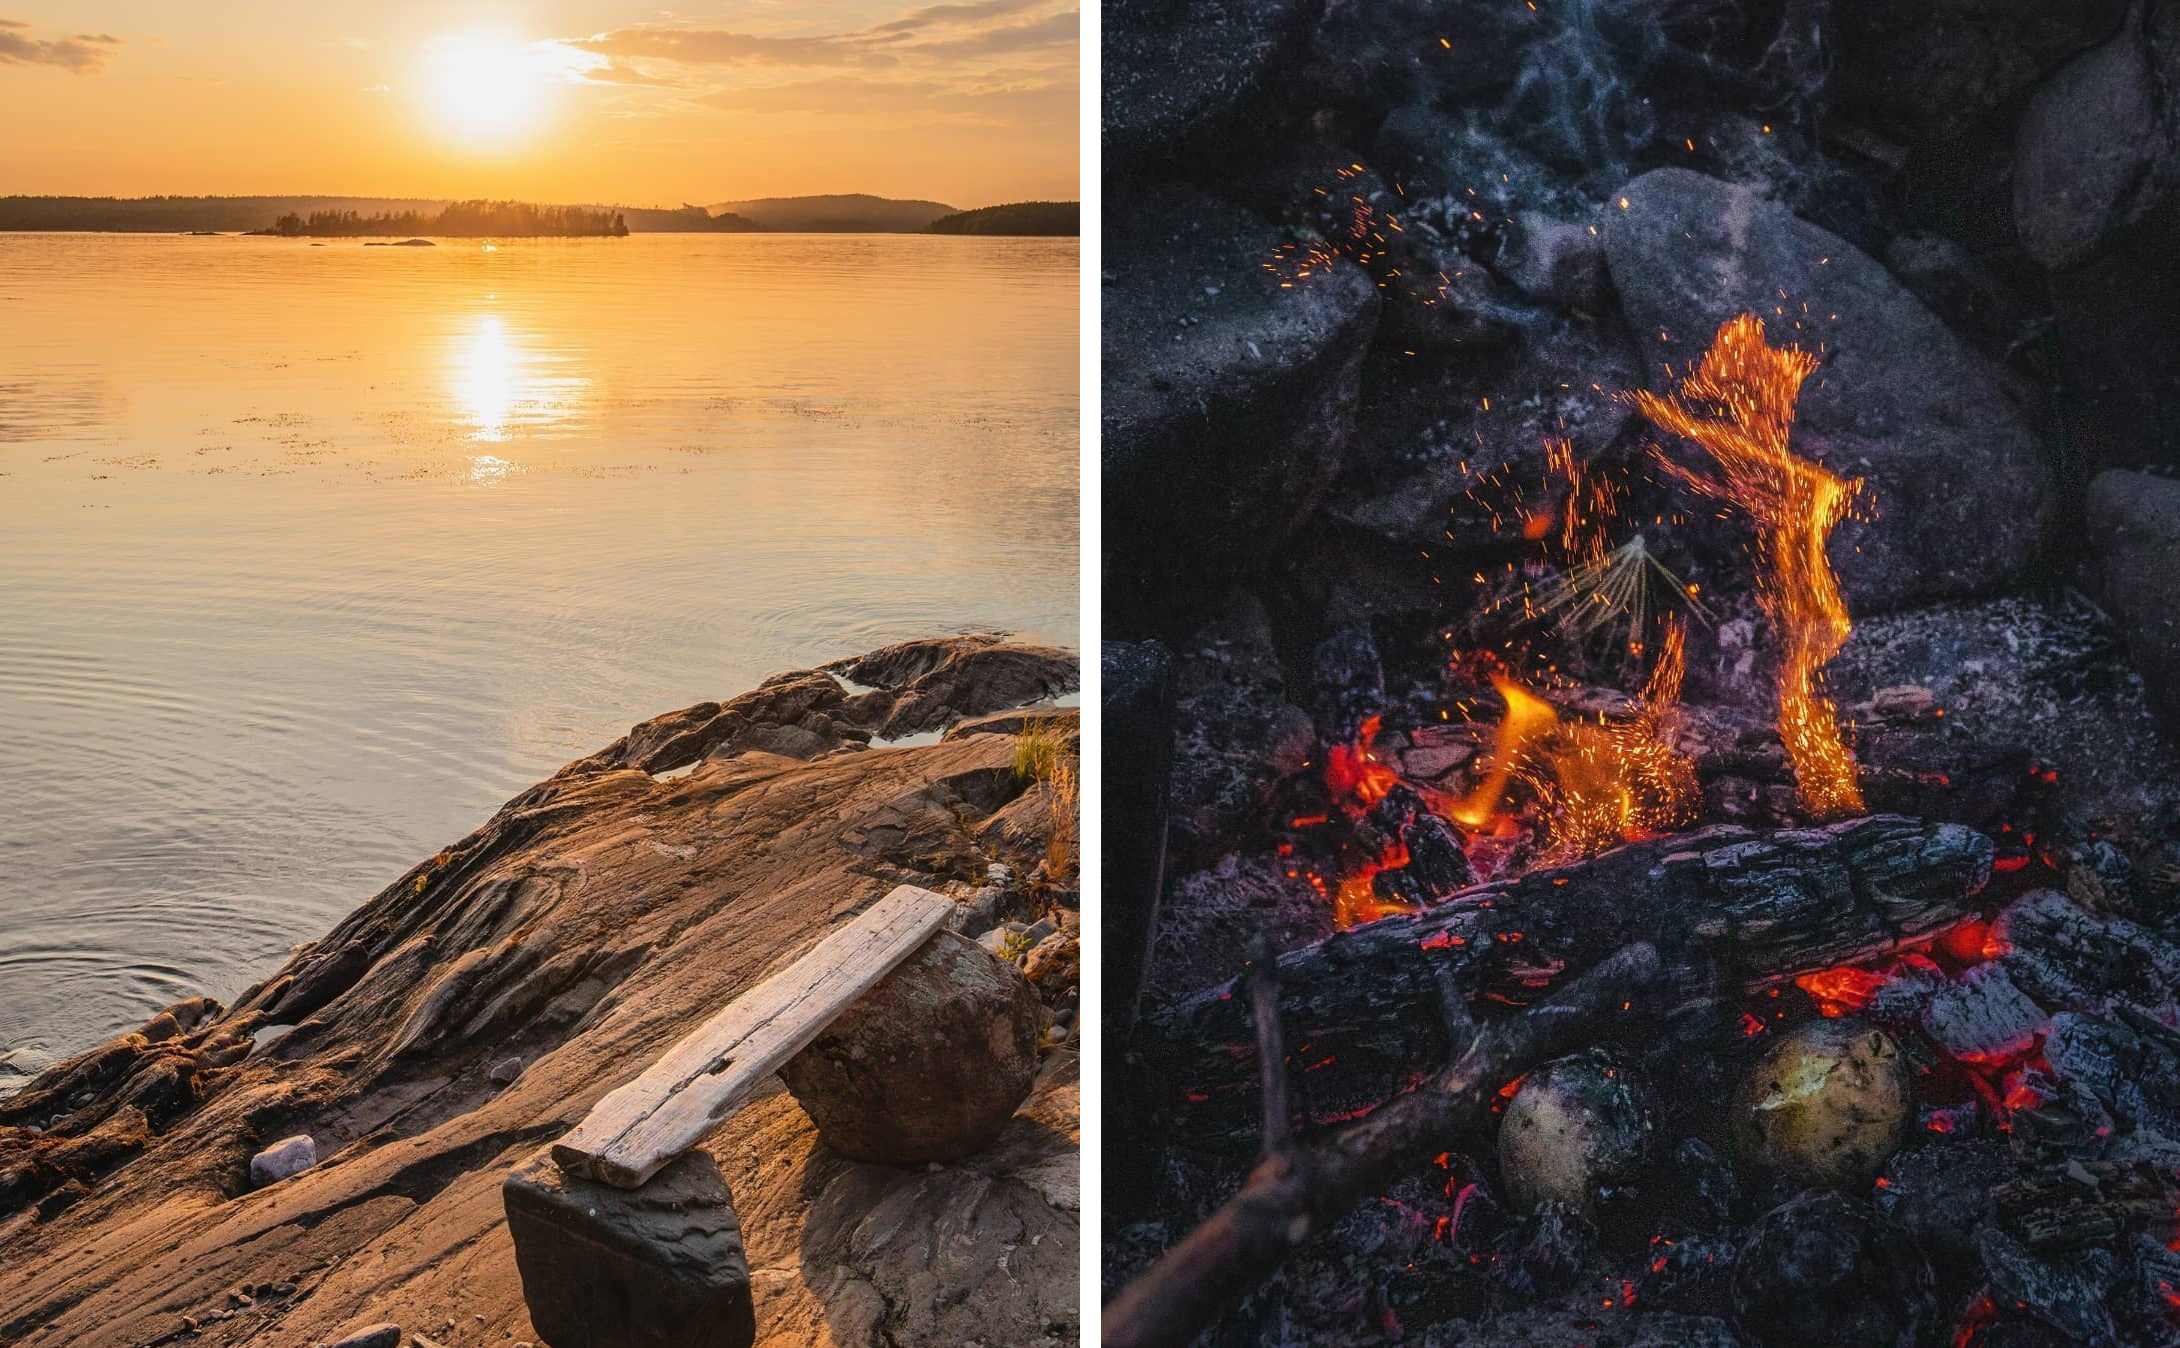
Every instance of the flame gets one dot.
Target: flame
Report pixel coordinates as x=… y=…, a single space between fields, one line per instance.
x=1528 y=718
x=1739 y=406
x=1598 y=783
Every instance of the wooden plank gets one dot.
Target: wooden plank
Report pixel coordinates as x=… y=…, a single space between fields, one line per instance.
x=633 y=1132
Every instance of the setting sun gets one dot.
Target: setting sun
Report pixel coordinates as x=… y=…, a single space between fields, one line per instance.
x=487 y=89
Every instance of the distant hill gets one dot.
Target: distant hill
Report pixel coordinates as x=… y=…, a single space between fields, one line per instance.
x=1020 y=218
x=687 y=220
x=164 y=215
x=855 y=214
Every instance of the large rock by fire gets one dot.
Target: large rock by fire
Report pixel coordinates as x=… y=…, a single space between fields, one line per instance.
x=2134 y=530
x=1963 y=492
x=2098 y=147
x=1183 y=77
x=1227 y=395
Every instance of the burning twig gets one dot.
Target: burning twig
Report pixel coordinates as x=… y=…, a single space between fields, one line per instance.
x=1296 y=1191
x=1739 y=406
x=1614 y=589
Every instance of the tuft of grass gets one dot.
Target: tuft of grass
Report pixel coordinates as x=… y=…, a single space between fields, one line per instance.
x=1044 y=753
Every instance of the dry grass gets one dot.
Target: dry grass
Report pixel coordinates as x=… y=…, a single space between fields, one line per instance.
x=1046 y=755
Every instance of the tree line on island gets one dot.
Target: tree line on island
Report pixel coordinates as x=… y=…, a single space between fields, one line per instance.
x=461 y=220
x=351 y=217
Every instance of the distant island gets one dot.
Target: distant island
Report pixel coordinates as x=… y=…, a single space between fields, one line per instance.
x=348 y=217
x=855 y=213
x=687 y=220
x=1023 y=218
x=461 y=220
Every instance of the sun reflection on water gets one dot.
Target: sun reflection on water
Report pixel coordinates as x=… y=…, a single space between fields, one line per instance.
x=505 y=386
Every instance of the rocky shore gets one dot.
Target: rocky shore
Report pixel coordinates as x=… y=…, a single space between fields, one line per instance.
x=479 y=1005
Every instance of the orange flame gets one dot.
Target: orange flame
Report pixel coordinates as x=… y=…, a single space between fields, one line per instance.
x=1528 y=718
x=1601 y=782
x=1739 y=406
x=1619 y=781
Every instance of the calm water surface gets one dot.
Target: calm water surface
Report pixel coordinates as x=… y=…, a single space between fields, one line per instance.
x=312 y=556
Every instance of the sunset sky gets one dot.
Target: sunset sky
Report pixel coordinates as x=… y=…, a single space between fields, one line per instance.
x=970 y=102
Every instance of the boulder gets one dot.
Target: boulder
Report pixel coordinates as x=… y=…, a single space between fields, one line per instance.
x=1228 y=393
x=657 y=1267
x=928 y=1065
x=288 y=1156
x=1454 y=445
x=1932 y=71
x=1235 y=733
x=2134 y=533
x=2119 y=347
x=1183 y=77
x=373 y=1336
x=2097 y=150
x=1963 y=492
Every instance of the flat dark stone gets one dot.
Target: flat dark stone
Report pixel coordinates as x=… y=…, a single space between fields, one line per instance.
x=657 y=1267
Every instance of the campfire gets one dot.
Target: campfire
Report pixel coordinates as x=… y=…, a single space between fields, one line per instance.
x=1635 y=1016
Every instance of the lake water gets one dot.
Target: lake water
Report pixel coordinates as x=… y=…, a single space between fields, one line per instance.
x=312 y=556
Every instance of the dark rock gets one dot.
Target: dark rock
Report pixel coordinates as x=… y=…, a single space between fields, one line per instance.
x=2098 y=148
x=377 y=1336
x=1184 y=78
x=1236 y=735
x=1957 y=288
x=1557 y=262
x=928 y=1065
x=1485 y=178
x=1457 y=448
x=653 y=1267
x=1227 y=398
x=2119 y=348
x=504 y=1071
x=935 y=683
x=1932 y=71
x=1824 y=1271
x=2134 y=532
x=1137 y=684
x=1962 y=490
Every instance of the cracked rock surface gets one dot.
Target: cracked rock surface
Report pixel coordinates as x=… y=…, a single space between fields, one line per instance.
x=597 y=918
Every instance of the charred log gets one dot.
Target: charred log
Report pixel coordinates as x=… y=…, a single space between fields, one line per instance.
x=1758 y=907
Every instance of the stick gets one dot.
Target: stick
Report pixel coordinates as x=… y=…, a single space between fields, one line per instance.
x=1296 y=1191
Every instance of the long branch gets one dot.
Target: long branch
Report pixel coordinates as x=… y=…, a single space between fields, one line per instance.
x=1297 y=1191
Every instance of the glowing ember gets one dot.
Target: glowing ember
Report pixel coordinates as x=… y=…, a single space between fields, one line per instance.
x=1739 y=406
x=1838 y=991
x=1355 y=770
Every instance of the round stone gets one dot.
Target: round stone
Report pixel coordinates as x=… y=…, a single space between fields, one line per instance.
x=928 y=1065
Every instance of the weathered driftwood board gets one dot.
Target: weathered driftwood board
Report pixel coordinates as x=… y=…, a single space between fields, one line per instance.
x=632 y=1133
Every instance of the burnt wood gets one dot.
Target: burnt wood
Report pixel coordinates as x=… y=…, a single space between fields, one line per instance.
x=1296 y=1192
x=2086 y=1203
x=1363 y=1008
